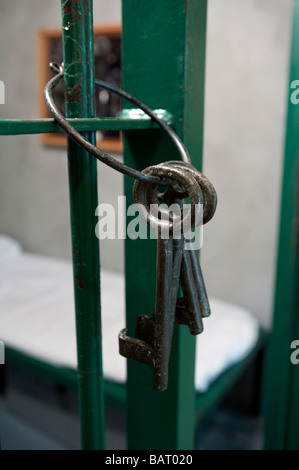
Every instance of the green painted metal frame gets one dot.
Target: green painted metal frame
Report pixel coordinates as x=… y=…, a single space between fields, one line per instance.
x=163 y=64
x=78 y=56
x=79 y=79
x=281 y=388
x=44 y=126
x=114 y=393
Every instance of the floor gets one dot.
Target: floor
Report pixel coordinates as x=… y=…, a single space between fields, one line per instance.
x=36 y=415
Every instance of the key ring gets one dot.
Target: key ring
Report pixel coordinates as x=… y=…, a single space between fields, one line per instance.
x=95 y=151
x=178 y=225
x=207 y=188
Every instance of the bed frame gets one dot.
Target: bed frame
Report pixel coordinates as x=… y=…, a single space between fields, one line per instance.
x=116 y=393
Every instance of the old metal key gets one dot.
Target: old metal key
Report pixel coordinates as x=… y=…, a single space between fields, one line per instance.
x=175 y=265
x=153 y=335
x=195 y=304
x=163 y=316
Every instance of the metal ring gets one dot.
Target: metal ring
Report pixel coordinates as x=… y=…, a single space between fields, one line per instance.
x=180 y=225
x=208 y=190
x=177 y=141
x=95 y=151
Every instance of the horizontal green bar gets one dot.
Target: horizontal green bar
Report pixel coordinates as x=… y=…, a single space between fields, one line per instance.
x=132 y=119
x=115 y=393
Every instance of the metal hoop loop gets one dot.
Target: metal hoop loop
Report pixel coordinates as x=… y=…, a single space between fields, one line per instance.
x=95 y=151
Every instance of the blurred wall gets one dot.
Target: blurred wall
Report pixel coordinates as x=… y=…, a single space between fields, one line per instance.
x=246 y=100
x=246 y=96
x=34 y=204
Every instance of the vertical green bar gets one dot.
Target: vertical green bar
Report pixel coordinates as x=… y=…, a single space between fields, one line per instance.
x=79 y=79
x=163 y=60
x=281 y=389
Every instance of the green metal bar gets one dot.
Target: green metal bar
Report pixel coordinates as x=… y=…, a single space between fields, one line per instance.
x=46 y=126
x=282 y=377
x=79 y=80
x=163 y=60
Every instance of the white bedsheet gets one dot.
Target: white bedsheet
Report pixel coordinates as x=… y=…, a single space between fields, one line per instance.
x=8 y=248
x=37 y=318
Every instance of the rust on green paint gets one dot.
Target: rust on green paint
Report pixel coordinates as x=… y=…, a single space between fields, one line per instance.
x=75 y=95
x=78 y=56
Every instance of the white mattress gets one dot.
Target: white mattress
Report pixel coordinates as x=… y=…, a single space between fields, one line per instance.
x=37 y=318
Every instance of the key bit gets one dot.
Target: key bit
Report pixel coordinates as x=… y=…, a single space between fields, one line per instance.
x=135 y=348
x=153 y=335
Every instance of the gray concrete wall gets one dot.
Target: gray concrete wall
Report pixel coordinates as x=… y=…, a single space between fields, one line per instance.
x=246 y=95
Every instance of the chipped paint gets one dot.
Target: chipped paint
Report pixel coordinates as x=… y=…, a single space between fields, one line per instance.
x=68 y=8
x=80 y=283
x=75 y=95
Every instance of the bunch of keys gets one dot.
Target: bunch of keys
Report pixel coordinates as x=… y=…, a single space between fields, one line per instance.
x=175 y=265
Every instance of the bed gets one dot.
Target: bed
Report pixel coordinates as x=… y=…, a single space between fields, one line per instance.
x=37 y=326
